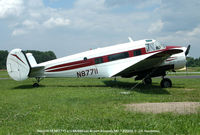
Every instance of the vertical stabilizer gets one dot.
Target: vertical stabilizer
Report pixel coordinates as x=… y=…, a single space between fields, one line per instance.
x=18 y=66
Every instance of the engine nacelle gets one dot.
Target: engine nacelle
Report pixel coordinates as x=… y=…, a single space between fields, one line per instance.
x=178 y=60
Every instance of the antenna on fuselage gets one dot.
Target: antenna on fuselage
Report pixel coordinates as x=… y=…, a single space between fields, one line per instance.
x=130 y=39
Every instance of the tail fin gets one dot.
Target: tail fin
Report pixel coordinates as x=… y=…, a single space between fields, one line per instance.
x=18 y=66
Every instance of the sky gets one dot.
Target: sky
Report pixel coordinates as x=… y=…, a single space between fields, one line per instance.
x=72 y=26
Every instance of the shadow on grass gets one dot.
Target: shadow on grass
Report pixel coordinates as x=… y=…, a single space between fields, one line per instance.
x=76 y=86
x=141 y=88
x=28 y=87
x=56 y=86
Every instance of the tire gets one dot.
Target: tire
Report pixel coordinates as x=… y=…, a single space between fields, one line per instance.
x=166 y=83
x=35 y=85
x=148 y=81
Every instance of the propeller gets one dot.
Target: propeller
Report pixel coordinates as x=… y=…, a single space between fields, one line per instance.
x=187 y=50
x=186 y=53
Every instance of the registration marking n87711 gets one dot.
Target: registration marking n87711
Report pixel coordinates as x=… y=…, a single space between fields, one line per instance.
x=88 y=72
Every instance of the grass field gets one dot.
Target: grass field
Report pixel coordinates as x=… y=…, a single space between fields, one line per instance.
x=93 y=104
x=193 y=69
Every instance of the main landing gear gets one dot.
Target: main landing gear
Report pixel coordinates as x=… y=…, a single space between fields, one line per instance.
x=147 y=81
x=38 y=79
x=165 y=82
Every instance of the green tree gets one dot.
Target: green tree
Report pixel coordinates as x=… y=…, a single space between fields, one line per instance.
x=3 y=56
x=192 y=62
x=39 y=56
x=42 y=56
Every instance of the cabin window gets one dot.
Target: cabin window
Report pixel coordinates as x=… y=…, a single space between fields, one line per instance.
x=137 y=52
x=118 y=56
x=154 y=46
x=98 y=60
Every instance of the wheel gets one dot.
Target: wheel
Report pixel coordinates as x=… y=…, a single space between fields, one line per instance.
x=166 y=83
x=36 y=85
x=148 y=81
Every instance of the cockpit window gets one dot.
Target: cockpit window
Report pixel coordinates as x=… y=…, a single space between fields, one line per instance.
x=153 y=46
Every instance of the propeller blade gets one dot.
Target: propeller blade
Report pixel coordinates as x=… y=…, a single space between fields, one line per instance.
x=188 y=50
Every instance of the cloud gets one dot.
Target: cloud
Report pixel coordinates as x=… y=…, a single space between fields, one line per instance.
x=10 y=7
x=179 y=15
x=101 y=22
x=53 y=22
x=34 y=3
x=95 y=5
x=24 y=28
x=30 y=24
x=18 y=32
x=156 y=27
x=195 y=31
x=134 y=3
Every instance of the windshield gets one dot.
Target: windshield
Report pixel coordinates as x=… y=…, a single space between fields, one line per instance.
x=154 y=46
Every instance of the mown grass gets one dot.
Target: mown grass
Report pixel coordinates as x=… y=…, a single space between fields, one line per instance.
x=193 y=69
x=3 y=74
x=97 y=104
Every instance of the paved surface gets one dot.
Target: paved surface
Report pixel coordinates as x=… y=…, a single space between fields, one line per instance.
x=4 y=78
x=184 y=73
x=175 y=107
x=185 y=76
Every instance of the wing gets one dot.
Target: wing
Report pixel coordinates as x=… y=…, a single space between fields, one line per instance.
x=149 y=62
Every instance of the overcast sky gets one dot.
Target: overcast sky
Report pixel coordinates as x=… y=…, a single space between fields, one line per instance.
x=71 y=26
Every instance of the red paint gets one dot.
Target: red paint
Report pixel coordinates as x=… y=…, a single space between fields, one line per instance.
x=70 y=68
x=130 y=53
x=17 y=57
x=143 y=50
x=171 y=59
x=66 y=64
x=105 y=58
x=172 y=47
x=90 y=62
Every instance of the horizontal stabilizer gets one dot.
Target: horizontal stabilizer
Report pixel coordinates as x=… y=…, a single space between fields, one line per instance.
x=37 y=71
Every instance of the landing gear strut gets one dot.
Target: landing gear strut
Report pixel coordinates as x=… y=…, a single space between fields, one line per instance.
x=38 y=79
x=166 y=83
x=147 y=81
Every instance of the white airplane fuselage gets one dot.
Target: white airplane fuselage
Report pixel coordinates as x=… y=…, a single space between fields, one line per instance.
x=107 y=62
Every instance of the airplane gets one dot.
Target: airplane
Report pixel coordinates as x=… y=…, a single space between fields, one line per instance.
x=143 y=59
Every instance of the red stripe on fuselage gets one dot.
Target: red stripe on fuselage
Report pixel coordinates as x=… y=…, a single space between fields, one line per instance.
x=67 y=64
x=90 y=62
x=71 y=67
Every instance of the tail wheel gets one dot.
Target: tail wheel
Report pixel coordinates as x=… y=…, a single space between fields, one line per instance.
x=166 y=83
x=38 y=79
x=148 y=81
x=35 y=85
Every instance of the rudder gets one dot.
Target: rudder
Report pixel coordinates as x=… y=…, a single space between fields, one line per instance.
x=18 y=66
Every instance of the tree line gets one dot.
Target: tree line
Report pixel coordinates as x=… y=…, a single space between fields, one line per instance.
x=193 y=62
x=39 y=56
